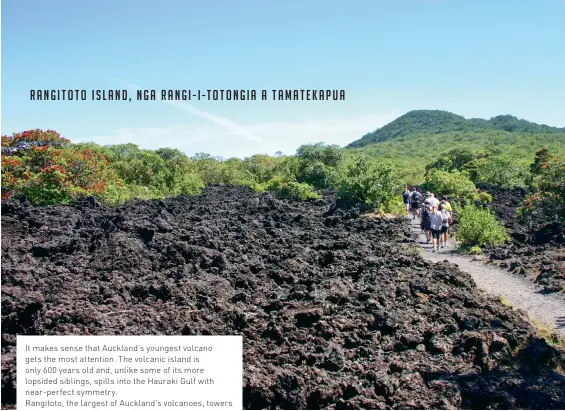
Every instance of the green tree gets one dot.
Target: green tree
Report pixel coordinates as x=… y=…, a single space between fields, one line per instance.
x=317 y=164
x=262 y=166
x=370 y=183
x=329 y=155
x=454 y=159
x=501 y=170
x=543 y=156
x=155 y=174
x=550 y=197
x=168 y=154
x=454 y=184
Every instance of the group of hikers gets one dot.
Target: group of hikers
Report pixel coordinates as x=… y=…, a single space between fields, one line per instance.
x=435 y=215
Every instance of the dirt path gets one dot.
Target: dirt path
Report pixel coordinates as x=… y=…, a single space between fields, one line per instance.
x=549 y=309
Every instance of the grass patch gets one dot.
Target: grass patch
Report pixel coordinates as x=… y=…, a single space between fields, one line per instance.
x=381 y=215
x=505 y=301
x=474 y=250
x=413 y=249
x=546 y=332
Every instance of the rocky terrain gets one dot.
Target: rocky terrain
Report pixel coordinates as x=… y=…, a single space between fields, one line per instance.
x=537 y=251
x=337 y=310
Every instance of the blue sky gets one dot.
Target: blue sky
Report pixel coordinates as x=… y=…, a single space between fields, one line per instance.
x=474 y=58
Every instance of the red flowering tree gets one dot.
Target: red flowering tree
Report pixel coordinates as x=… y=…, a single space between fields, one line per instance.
x=543 y=157
x=48 y=169
x=20 y=142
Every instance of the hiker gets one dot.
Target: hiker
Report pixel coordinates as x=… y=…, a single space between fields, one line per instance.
x=445 y=222
x=425 y=221
x=445 y=201
x=446 y=206
x=415 y=203
x=406 y=198
x=431 y=198
x=435 y=225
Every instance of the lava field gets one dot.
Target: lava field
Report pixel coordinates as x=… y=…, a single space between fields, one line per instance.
x=336 y=310
x=536 y=252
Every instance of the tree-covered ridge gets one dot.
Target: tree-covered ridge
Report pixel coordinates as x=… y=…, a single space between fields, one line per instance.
x=434 y=122
x=411 y=154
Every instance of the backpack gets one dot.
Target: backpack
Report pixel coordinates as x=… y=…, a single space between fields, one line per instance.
x=445 y=218
x=426 y=214
x=415 y=196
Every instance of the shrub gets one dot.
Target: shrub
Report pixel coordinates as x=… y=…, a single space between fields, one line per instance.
x=485 y=197
x=479 y=227
x=287 y=169
x=372 y=184
x=292 y=190
x=453 y=184
x=259 y=187
x=51 y=185
x=262 y=167
x=140 y=167
x=317 y=164
x=154 y=174
x=116 y=195
x=475 y=250
x=234 y=172
x=318 y=175
x=215 y=170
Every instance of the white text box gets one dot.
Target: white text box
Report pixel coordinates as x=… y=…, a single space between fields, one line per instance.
x=129 y=372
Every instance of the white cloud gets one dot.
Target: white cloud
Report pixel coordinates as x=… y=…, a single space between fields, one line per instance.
x=224 y=137
x=219 y=140
x=223 y=122
x=229 y=125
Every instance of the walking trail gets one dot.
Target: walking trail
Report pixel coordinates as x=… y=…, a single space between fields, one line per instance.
x=548 y=309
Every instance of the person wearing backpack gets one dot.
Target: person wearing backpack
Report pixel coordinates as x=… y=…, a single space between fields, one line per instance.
x=445 y=204
x=425 y=221
x=445 y=222
x=435 y=224
x=415 y=203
